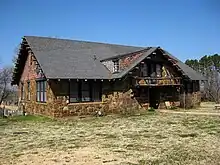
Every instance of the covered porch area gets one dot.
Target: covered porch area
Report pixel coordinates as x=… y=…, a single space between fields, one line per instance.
x=156 y=96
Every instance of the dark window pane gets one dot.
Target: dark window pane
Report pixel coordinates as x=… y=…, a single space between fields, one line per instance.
x=29 y=95
x=74 y=92
x=85 y=96
x=96 y=91
x=85 y=91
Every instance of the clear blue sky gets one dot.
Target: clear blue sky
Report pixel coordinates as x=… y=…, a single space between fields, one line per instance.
x=185 y=28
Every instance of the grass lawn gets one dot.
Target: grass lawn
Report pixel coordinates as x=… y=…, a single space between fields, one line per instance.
x=152 y=138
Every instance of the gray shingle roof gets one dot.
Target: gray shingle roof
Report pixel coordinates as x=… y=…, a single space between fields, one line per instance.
x=191 y=73
x=101 y=50
x=63 y=58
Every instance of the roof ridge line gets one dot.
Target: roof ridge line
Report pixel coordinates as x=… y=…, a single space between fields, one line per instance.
x=88 y=41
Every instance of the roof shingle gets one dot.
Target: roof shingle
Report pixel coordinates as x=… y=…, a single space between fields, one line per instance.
x=63 y=58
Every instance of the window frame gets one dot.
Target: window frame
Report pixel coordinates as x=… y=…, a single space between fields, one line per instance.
x=28 y=91
x=22 y=91
x=74 y=85
x=90 y=90
x=116 y=67
x=85 y=88
x=41 y=91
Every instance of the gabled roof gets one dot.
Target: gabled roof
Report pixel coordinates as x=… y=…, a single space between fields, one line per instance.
x=191 y=73
x=188 y=71
x=61 y=58
x=101 y=50
x=73 y=59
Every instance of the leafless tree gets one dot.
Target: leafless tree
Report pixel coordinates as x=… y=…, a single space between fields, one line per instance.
x=212 y=87
x=5 y=80
x=209 y=67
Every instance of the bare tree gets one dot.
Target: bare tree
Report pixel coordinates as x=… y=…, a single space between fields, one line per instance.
x=212 y=87
x=209 y=67
x=5 y=80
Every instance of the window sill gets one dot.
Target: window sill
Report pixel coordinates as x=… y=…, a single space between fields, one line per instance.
x=86 y=103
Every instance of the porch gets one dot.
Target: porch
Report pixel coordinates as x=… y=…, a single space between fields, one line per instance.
x=156 y=96
x=157 y=81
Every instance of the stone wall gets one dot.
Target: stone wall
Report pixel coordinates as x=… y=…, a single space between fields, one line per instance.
x=116 y=98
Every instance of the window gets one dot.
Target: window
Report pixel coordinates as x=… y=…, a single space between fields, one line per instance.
x=96 y=91
x=22 y=91
x=85 y=91
x=28 y=88
x=41 y=91
x=143 y=70
x=158 y=70
x=116 y=66
x=74 y=94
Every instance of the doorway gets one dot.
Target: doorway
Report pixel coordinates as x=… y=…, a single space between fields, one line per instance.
x=154 y=97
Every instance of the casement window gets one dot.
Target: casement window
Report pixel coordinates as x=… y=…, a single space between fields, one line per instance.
x=96 y=91
x=116 y=66
x=85 y=91
x=41 y=90
x=22 y=91
x=74 y=92
x=143 y=70
x=28 y=90
x=158 y=70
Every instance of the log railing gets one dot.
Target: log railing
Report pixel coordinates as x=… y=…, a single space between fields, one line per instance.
x=157 y=81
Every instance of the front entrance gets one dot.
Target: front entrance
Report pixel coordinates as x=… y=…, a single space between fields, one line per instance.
x=154 y=97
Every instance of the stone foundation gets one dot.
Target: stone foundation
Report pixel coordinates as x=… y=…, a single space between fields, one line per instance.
x=119 y=100
x=115 y=102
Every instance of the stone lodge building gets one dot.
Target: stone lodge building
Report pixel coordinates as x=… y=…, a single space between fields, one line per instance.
x=60 y=77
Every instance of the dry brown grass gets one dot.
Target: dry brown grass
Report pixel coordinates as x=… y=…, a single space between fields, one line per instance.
x=151 y=138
